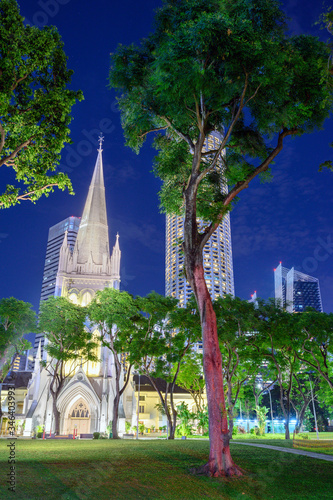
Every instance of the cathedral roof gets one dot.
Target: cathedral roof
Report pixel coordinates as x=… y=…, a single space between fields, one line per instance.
x=93 y=236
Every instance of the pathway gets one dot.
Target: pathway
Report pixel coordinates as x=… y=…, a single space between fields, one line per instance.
x=311 y=454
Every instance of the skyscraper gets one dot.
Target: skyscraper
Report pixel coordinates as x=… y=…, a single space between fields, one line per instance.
x=296 y=291
x=217 y=253
x=54 y=242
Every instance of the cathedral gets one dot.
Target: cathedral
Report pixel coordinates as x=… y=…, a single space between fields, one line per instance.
x=78 y=263
x=86 y=400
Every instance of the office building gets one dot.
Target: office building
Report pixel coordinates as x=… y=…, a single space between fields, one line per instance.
x=296 y=291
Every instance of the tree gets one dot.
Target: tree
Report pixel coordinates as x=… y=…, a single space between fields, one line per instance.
x=190 y=378
x=164 y=335
x=236 y=320
x=315 y=334
x=112 y=312
x=208 y=67
x=300 y=398
x=16 y=319
x=35 y=106
x=276 y=339
x=68 y=344
x=185 y=416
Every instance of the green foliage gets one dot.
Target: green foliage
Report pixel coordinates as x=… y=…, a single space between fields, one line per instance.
x=16 y=319
x=203 y=420
x=96 y=435
x=112 y=312
x=127 y=426
x=303 y=435
x=261 y=412
x=190 y=377
x=235 y=430
x=208 y=67
x=35 y=106
x=185 y=416
x=142 y=428
x=69 y=344
x=63 y=324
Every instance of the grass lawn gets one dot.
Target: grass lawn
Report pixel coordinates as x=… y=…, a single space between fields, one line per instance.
x=154 y=469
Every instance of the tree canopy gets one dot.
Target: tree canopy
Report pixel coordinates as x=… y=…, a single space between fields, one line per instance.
x=69 y=343
x=35 y=106
x=16 y=319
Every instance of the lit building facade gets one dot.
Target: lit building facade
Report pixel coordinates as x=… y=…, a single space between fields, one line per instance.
x=296 y=291
x=217 y=253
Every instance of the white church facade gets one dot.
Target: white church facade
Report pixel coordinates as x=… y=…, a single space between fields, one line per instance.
x=86 y=400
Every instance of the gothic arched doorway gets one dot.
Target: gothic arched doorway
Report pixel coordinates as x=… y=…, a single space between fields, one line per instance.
x=79 y=418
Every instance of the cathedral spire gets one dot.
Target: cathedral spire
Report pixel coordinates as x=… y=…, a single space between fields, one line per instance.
x=92 y=242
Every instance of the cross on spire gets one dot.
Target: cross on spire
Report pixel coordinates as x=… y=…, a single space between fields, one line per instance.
x=100 y=140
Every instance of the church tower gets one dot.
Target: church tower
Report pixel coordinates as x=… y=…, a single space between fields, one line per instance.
x=89 y=267
x=85 y=402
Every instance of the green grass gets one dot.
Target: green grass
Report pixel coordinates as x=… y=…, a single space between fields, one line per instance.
x=154 y=469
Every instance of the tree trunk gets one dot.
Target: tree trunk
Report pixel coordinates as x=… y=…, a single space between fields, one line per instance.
x=286 y=426
x=220 y=462
x=116 y=399
x=115 y=416
x=56 y=414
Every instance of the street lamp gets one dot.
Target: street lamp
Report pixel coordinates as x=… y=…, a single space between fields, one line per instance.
x=138 y=412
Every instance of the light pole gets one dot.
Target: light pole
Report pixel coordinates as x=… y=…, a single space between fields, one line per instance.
x=138 y=412
x=270 y=401
x=314 y=410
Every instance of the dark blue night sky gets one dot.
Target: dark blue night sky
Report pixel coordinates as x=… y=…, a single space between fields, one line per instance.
x=288 y=220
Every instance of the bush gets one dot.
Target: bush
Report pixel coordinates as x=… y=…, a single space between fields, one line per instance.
x=96 y=435
x=303 y=435
x=39 y=435
x=127 y=426
x=235 y=430
x=183 y=430
x=255 y=431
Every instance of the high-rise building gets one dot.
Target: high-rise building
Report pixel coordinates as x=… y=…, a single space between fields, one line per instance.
x=54 y=242
x=23 y=362
x=217 y=253
x=296 y=291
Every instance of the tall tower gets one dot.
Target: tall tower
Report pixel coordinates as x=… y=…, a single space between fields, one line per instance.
x=217 y=255
x=89 y=267
x=296 y=291
x=78 y=258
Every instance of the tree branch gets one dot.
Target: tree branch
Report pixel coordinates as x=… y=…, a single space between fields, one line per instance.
x=17 y=150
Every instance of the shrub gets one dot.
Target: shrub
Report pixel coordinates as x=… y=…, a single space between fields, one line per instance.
x=127 y=426
x=303 y=435
x=234 y=430
x=96 y=435
x=183 y=430
x=255 y=431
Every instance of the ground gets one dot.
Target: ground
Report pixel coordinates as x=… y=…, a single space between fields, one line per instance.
x=151 y=470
